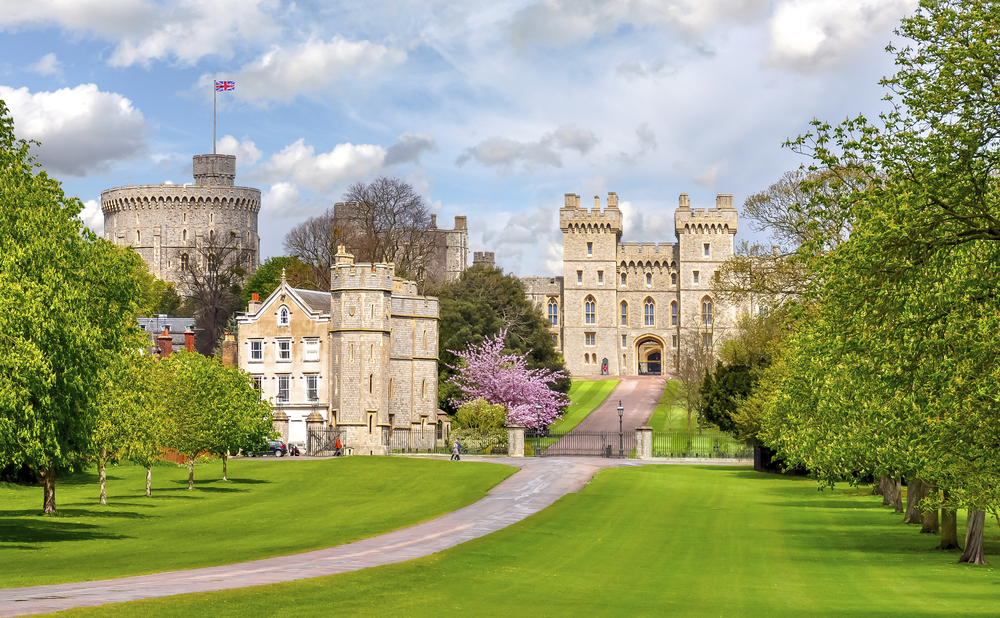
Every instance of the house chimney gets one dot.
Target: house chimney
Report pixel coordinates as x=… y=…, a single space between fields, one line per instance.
x=229 y=351
x=165 y=342
x=434 y=222
x=189 y=340
x=254 y=305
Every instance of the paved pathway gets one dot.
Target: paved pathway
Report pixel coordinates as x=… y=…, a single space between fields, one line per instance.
x=639 y=396
x=538 y=484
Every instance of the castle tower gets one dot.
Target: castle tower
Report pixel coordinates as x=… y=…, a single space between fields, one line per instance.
x=168 y=224
x=360 y=339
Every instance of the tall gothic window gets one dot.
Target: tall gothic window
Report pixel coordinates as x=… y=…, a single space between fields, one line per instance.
x=673 y=313
x=184 y=261
x=648 y=311
x=624 y=279
x=706 y=311
x=590 y=310
x=624 y=313
x=553 y=312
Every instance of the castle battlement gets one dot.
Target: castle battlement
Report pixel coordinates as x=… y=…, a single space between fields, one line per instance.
x=722 y=219
x=572 y=218
x=165 y=196
x=666 y=252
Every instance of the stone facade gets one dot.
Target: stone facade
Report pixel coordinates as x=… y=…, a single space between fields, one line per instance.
x=166 y=224
x=450 y=257
x=369 y=346
x=635 y=305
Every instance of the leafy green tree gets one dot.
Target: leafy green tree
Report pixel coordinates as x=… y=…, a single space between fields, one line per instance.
x=481 y=303
x=68 y=302
x=268 y=276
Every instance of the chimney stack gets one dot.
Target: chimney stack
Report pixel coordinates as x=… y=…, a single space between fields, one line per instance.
x=189 y=340
x=229 y=350
x=165 y=342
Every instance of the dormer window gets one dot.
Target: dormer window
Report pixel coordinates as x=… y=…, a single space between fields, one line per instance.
x=283 y=316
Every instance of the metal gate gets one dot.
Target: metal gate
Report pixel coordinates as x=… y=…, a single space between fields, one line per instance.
x=580 y=444
x=323 y=441
x=399 y=441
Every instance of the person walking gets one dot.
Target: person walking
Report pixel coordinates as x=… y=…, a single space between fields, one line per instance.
x=456 y=451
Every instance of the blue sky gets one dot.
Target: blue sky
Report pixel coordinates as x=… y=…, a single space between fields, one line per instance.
x=492 y=110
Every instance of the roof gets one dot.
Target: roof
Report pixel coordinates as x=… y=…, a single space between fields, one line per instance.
x=317 y=301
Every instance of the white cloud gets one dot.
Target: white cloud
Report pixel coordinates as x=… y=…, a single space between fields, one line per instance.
x=46 y=65
x=143 y=30
x=408 y=147
x=246 y=151
x=506 y=153
x=707 y=178
x=319 y=172
x=283 y=198
x=806 y=34
x=281 y=74
x=80 y=129
x=647 y=143
x=93 y=217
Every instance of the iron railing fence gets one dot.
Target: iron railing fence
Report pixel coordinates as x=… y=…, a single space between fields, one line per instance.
x=579 y=444
x=323 y=441
x=683 y=445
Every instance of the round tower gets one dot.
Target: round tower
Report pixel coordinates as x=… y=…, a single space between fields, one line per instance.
x=170 y=225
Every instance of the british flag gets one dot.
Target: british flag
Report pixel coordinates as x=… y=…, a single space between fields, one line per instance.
x=221 y=86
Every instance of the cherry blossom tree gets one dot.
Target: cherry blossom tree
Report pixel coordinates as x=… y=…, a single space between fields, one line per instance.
x=485 y=371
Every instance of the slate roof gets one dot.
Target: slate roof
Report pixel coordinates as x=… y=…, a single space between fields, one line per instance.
x=317 y=301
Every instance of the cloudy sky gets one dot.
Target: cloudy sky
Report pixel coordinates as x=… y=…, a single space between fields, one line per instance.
x=491 y=109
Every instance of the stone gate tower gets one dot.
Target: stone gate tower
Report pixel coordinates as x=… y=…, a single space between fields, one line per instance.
x=167 y=224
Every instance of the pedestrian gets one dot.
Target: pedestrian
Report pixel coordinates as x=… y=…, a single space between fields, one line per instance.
x=456 y=451
x=338 y=452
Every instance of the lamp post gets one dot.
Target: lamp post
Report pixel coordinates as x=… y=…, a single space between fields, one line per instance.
x=538 y=430
x=621 y=434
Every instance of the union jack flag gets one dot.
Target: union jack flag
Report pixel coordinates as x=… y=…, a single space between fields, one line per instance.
x=220 y=86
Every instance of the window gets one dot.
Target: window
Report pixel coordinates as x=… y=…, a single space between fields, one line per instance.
x=707 y=247
x=312 y=388
x=352 y=352
x=590 y=339
x=673 y=313
x=673 y=341
x=312 y=350
x=184 y=235
x=211 y=235
x=390 y=388
x=184 y=261
x=256 y=350
x=624 y=313
x=423 y=389
x=555 y=340
x=283 y=382
x=600 y=277
x=553 y=312
x=673 y=278
x=695 y=275
x=649 y=279
x=257 y=380
x=624 y=279
x=706 y=340
x=283 y=316
x=586 y=358
x=706 y=311
x=590 y=248
x=579 y=277
x=371 y=383
x=648 y=312
x=138 y=237
x=624 y=341
x=590 y=310
x=285 y=350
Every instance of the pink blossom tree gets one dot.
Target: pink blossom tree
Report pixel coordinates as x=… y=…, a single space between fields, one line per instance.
x=485 y=371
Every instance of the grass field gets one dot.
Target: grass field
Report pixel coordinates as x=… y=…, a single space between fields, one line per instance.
x=586 y=395
x=268 y=508
x=680 y=442
x=653 y=541
x=667 y=417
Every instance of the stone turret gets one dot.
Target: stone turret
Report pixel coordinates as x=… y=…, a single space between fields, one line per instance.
x=484 y=258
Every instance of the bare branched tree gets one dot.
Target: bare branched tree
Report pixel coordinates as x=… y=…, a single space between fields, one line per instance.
x=213 y=279
x=697 y=358
x=315 y=241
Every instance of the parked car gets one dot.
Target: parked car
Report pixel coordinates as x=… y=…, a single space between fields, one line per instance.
x=273 y=447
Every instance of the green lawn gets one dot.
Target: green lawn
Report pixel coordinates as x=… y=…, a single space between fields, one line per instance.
x=653 y=541
x=672 y=439
x=586 y=396
x=268 y=508
x=667 y=417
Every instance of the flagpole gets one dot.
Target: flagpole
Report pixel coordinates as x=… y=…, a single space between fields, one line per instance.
x=215 y=98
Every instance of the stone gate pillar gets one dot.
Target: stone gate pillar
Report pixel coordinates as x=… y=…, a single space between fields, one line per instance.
x=644 y=442
x=280 y=420
x=314 y=422
x=515 y=440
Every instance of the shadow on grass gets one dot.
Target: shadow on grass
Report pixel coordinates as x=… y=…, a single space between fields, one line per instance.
x=36 y=531
x=66 y=512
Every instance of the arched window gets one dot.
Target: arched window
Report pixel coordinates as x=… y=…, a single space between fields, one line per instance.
x=624 y=313
x=590 y=310
x=371 y=383
x=649 y=312
x=184 y=236
x=586 y=359
x=138 y=237
x=553 y=312
x=184 y=261
x=423 y=389
x=283 y=316
x=706 y=311
x=390 y=388
x=673 y=313
x=624 y=279
x=649 y=279
x=211 y=235
x=673 y=278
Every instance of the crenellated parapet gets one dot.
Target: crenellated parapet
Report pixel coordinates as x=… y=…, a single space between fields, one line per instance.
x=573 y=219
x=172 y=197
x=722 y=219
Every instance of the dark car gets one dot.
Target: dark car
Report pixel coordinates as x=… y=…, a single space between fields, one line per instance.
x=273 y=447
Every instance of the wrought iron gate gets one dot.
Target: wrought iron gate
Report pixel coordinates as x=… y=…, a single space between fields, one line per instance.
x=580 y=444
x=323 y=441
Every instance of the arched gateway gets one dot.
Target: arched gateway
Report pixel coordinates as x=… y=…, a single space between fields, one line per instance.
x=649 y=355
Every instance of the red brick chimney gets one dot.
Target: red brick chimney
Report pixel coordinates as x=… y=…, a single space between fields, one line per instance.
x=189 y=340
x=165 y=342
x=229 y=350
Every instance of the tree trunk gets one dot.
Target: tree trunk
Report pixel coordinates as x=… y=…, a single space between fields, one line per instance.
x=914 y=494
x=102 y=463
x=877 y=489
x=949 y=526
x=191 y=474
x=49 y=484
x=974 y=538
x=892 y=493
x=884 y=490
x=225 y=462
x=149 y=481
x=929 y=523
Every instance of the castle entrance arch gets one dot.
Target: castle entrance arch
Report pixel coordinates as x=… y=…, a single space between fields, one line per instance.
x=649 y=355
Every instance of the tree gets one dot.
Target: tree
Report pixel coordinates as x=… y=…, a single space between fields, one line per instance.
x=485 y=371
x=314 y=242
x=267 y=277
x=479 y=304
x=213 y=283
x=479 y=424
x=694 y=363
x=386 y=220
x=68 y=302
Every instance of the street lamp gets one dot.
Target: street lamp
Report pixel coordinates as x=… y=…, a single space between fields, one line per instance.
x=621 y=434
x=538 y=430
